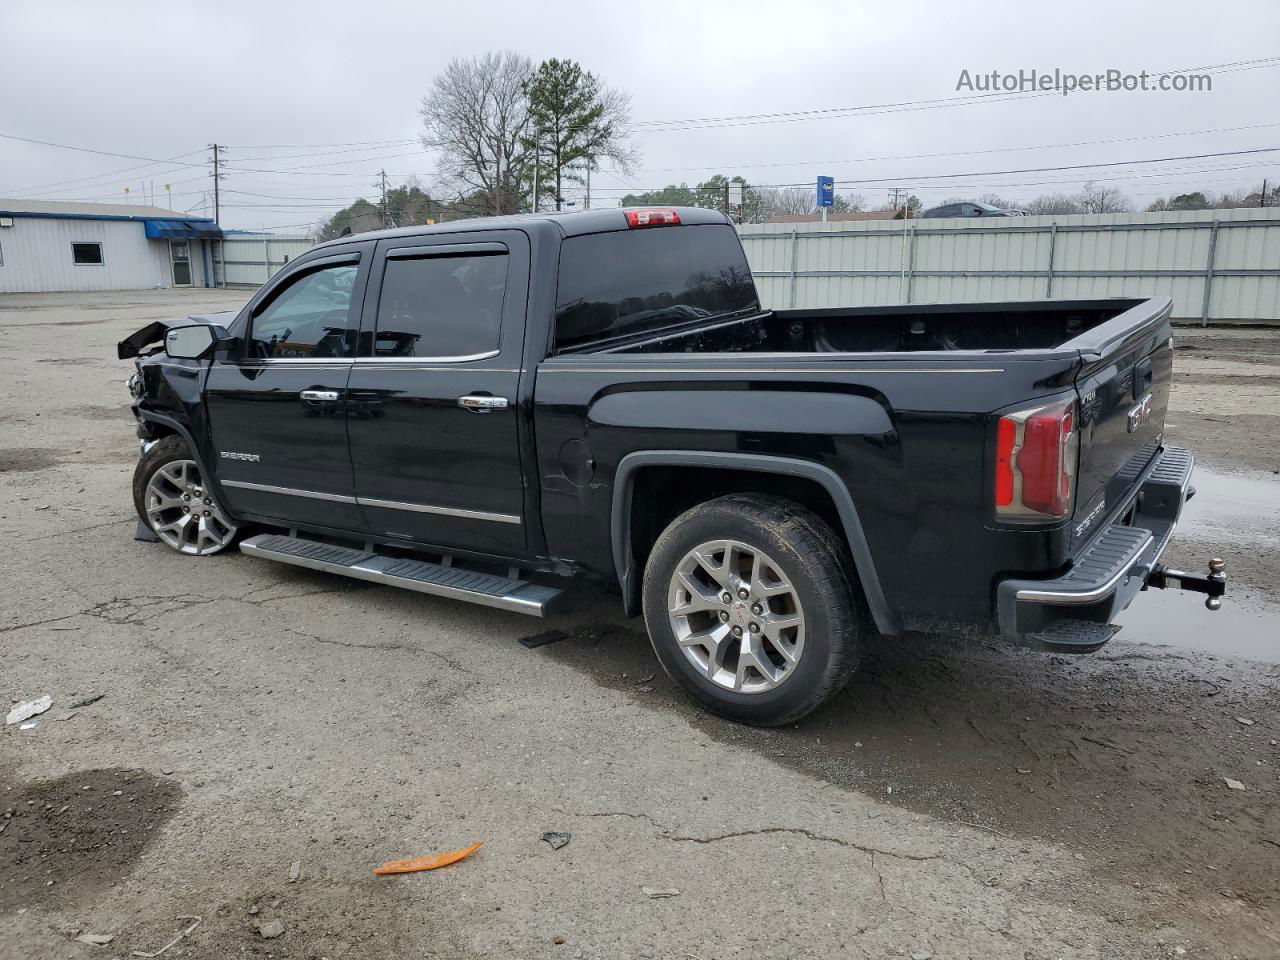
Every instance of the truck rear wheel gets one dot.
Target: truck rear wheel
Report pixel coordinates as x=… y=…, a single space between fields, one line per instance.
x=170 y=496
x=750 y=608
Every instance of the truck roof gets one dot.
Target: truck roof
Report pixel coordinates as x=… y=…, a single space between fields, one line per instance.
x=571 y=223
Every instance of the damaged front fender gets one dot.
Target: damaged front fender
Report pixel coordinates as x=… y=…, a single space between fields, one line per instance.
x=153 y=333
x=135 y=343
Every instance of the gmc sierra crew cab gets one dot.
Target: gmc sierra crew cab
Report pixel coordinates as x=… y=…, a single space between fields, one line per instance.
x=472 y=408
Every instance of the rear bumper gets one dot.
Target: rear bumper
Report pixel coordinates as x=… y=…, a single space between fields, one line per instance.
x=1073 y=610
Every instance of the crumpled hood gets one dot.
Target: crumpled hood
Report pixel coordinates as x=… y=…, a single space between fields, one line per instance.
x=135 y=343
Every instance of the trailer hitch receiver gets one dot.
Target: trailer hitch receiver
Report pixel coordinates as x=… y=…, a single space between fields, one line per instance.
x=1214 y=585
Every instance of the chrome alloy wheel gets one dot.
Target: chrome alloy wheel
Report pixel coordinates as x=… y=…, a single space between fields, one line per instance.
x=183 y=514
x=736 y=616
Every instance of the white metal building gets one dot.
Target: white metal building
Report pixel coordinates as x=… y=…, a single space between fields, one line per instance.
x=49 y=245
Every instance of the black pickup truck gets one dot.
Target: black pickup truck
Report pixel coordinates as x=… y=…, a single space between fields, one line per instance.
x=469 y=408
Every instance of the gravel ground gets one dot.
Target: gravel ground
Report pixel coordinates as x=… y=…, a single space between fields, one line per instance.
x=961 y=799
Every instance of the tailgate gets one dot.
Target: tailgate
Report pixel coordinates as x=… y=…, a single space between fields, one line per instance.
x=1123 y=387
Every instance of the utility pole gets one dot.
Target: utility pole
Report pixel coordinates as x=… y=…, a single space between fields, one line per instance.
x=497 y=185
x=1262 y=200
x=382 y=182
x=586 y=204
x=537 y=153
x=217 y=176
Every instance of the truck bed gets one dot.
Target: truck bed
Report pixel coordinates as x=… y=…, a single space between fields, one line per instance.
x=1032 y=325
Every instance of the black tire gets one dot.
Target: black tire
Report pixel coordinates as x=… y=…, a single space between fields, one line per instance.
x=815 y=562
x=162 y=453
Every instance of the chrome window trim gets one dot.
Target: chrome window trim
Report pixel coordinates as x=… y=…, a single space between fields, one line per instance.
x=463 y=358
x=318 y=361
x=478 y=248
x=371 y=502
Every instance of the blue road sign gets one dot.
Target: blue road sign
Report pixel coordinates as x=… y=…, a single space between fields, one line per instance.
x=826 y=191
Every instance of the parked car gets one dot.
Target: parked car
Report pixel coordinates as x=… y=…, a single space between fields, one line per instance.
x=477 y=408
x=972 y=208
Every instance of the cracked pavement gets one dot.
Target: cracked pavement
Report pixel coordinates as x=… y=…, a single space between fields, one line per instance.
x=301 y=717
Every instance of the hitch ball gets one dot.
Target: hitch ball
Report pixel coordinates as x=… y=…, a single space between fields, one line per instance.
x=1217 y=571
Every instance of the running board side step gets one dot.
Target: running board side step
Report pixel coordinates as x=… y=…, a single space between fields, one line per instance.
x=487 y=589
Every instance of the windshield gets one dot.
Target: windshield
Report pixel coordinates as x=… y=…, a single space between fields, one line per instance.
x=619 y=284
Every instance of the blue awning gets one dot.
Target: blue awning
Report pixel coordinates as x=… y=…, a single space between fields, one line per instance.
x=182 y=229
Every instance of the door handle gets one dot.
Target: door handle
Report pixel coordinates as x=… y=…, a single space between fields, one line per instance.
x=325 y=395
x=480 y=403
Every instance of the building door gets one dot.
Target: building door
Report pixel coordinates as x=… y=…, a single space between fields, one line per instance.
x=180 y=254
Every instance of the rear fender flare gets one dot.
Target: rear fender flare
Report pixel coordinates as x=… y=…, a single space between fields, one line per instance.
x=620 y=524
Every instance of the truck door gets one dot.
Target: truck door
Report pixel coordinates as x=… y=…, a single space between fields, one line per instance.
x=434 y=423
x=277 y=408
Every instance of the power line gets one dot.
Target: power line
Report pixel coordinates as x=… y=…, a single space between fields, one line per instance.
x=304 y=146
x=327 y=153
x=39 y=188
x=957 y=153
x=104 y=153
x=785 y=116
x=994 y=173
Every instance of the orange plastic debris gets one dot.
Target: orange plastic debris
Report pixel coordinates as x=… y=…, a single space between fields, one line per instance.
x=431 y=861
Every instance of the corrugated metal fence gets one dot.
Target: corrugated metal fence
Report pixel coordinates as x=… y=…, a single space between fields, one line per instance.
x=251 y=261
x=1216 y=265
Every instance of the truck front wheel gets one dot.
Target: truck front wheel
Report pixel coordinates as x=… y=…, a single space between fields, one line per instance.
x=171 y=497
x=749 y=607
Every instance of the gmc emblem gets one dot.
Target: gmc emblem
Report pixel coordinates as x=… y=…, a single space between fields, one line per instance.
x=1140 y=413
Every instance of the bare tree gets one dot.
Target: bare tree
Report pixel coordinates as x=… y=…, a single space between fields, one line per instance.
x=1097 y=199
x=793 y=201
x=850 y=203
x=1053 y=203
x=803 y=201
x=477 y=117
x=998 y=201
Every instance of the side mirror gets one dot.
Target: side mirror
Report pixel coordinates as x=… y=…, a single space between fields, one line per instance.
x=191 y=342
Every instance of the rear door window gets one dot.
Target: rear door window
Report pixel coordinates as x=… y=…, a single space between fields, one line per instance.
x=442 y=307
x=633 y=281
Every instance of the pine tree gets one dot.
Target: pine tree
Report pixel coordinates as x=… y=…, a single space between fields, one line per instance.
x=574 y=122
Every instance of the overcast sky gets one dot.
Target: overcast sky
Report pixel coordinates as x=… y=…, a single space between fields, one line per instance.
x=162 y=80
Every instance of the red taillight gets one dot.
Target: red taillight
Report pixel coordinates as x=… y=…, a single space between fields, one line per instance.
x=1006 y=436
x=1035 y=466
x=652 y=218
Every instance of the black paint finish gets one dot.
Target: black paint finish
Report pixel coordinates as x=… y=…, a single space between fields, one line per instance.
x=897 y=434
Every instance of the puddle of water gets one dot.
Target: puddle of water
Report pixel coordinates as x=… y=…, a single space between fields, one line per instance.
x=1246 y=626
x=1246 y=504
x=1241 y=512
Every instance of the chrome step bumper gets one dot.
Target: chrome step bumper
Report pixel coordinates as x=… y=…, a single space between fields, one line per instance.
x=486 y=589
x=1073 y=611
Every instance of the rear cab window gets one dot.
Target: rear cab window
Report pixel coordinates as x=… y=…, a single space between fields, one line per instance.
x=631 y=282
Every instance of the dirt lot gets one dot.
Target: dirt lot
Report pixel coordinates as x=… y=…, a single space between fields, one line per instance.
x=960 y=800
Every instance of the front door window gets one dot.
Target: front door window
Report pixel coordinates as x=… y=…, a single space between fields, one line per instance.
x=309 y=316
